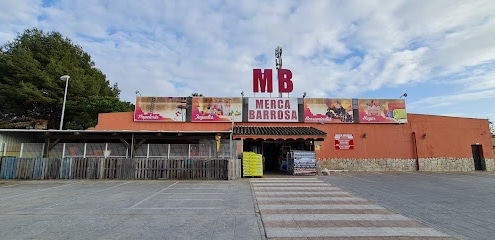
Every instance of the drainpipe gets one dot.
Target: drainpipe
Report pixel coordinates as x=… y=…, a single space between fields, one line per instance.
x=415 y=145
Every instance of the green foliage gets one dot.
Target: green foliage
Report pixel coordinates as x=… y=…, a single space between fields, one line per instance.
x=94 y=105
x=30 y=85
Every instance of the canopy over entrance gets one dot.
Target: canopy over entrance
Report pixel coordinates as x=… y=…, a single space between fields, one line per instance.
x=278 y=133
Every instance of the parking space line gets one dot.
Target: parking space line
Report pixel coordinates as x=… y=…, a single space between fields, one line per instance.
x=192 y=199
x=194 y=193
x=154 y=194
x=41 y=190
x=185 y=208
x=196 y=189
x=72 y=199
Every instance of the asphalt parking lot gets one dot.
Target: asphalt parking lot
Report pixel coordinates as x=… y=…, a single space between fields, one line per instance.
x=459 y=204
x=127 y=210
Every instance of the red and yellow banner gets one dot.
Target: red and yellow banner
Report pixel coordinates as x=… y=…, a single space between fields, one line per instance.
x=216 y=109
x=328 y=110
x=160 y=109
x=382 y=111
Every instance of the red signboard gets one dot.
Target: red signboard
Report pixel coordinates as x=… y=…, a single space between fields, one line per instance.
x=273 y=110
x=262 y=81
x=344 y=141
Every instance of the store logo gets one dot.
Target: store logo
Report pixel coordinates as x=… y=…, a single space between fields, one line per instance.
x=263 y=80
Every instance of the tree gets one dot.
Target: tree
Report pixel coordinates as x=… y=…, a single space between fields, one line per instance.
x=95 y=105
x=30 y=85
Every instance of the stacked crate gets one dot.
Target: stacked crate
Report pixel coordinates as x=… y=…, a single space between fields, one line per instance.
x=252 y=164
x=301 y=162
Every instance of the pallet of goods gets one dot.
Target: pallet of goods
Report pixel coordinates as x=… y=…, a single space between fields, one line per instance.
x=252 y=164
x=301 y=162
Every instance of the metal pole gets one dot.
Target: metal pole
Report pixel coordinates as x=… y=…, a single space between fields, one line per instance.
x=43 y=150
x=231 y=130
x=66 y=77
x=132 y=146
x=22 y=149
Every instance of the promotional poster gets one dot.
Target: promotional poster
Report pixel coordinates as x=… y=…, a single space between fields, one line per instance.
x=382 y=111
x=160 y=109
x=328 y=110
x=206 y=109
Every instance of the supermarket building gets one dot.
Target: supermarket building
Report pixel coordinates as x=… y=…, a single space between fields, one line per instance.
x=344 y=133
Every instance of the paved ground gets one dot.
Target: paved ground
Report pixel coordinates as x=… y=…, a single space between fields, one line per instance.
x=459 y=204
x=371 y=205
x=306 y=208
x=128 y=210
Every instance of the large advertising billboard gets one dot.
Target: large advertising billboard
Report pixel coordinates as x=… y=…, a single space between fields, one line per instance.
x=216 y=109
x=328 y=110
x=160 y=109
x=382 y=111
x=273 y=110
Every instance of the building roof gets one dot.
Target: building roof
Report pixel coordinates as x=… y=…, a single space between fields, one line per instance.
x=278 y=131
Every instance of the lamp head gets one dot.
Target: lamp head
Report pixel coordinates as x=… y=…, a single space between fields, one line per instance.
x=65 y=77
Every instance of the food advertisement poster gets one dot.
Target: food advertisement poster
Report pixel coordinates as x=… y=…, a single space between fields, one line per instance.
x=328 y=110
x=382 y=111
x=160 y=109
x=206 y=109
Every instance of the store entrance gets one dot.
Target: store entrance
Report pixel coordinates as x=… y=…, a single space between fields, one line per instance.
x=275 y=151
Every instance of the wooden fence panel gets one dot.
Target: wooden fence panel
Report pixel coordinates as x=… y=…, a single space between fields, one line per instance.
x=39 y=168
x=66 y=168
x=9 y=165
x=126 y=169
x=52 y=168
x=116 y=168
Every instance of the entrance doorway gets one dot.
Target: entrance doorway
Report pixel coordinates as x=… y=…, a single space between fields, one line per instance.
x=274 y=151
x=479 y=160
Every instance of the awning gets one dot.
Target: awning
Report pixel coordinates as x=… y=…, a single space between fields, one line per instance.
x=276 y=133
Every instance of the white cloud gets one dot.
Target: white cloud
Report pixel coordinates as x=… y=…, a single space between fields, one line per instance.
x=334 y=48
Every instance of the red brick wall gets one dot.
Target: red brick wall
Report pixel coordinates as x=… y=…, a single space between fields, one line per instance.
x=446 y=136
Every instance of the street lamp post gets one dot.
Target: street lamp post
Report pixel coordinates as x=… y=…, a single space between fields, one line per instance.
x=66 y=78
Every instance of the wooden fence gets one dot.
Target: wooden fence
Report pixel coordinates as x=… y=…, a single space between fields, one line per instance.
x=118 y=168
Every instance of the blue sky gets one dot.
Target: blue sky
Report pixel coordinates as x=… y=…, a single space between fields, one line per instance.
x=441 y=53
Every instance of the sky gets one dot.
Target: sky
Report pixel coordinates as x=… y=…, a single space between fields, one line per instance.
x=440 y=52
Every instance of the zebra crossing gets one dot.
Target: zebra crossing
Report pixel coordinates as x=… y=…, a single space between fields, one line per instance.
x=308 y=208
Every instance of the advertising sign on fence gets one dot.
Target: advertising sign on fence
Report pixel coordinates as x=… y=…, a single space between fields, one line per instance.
x=382 y=111
x=216 y=109
x=160 y=109
x=328 y=110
